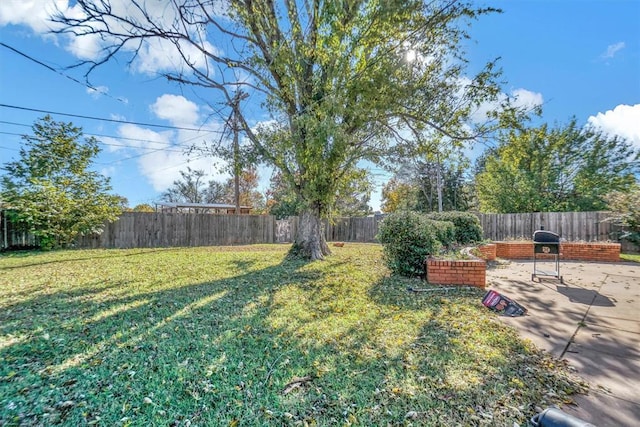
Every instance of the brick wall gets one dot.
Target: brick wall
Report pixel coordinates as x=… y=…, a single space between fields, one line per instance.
x=605 y=252
x=486 y=252
x=447 y=272
x=569 y=251
x=514 y=250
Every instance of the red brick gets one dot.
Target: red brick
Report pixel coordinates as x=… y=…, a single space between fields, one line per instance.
x=603 y=252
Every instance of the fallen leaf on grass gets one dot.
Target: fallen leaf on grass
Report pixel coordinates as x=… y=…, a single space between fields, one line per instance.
x=295 y=383
x=66 y=405
x=411 y=415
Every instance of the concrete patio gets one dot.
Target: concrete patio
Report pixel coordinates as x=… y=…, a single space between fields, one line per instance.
x=592 y=321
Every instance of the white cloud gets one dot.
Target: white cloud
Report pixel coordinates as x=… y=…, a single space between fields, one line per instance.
x=521 y=97
x=87 y=47
x=527 y=99
x=623 y=120
x=32 y=13
x=612 y=49
x=161 y=155
x=161 y=168
x=97 y=91
x=111 y=144
x=108 y=171
x=177 y=109
x=153 y=56
x=157 y=55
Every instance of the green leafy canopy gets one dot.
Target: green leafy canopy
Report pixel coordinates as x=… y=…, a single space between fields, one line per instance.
x=564 y=168
x=51 y=190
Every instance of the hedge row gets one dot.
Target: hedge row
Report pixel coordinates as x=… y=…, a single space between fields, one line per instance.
x=468 y=228
x=409 y=237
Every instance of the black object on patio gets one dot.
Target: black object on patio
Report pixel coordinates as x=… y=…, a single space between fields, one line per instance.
x=546 y=243
x=554 y=417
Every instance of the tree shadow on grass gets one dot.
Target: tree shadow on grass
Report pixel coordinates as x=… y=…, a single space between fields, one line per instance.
x=285 y=343
x=107 y=254
x=475 y=363
x=106 y=351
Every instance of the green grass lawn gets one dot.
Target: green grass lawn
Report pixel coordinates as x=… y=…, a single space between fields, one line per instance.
x=245 y=336
x=630 y=257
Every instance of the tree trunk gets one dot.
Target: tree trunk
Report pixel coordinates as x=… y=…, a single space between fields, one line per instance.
x=309 y=242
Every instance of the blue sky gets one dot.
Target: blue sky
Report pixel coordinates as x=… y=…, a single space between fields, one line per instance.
x=576 y=58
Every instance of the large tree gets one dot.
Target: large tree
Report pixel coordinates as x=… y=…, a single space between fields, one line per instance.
x=51 y=190
x=561 y=168
x=340 y=80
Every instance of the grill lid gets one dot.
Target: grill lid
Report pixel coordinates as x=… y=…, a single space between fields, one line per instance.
x=543 y=236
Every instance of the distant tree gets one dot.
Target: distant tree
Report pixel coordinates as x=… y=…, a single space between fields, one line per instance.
x=435 y=168
x=249 y=194
x=353 y=195
x=281 y=200
x=215 y=192
x=123 y=202
x=398 y=196
x=566 y=168
x=625 y=211
x=416 y=188
x=51 y=190
x=144 y=207
x=190 y=188
x=442 y=186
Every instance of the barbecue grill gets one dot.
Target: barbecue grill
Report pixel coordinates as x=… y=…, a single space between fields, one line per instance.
x=545 y=244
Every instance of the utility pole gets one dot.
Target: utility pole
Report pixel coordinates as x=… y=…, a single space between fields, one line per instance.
x=237 y=170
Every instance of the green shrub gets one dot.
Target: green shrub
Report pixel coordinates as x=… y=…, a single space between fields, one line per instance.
x=445 y=231
x=407 y=239
x=468 y=228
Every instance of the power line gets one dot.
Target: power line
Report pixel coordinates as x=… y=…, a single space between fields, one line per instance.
x=111 y=144
x=8 y=148
x=151 y=151
x=16 y=107
x=168 y=144
x=48 y=67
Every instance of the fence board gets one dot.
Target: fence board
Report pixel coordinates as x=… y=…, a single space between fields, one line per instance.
x=571 y=226
x=145 y=230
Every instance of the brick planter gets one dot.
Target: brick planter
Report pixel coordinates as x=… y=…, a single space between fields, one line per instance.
x=486 y=252
x=514 y=250
x=464 y=272
x=602 y=252
x=569 y=251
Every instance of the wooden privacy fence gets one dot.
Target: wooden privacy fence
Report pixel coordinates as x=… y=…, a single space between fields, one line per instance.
x=143 y=230
x=12 y=236
x=148 y=230
x=571 y=226
x=362 y=229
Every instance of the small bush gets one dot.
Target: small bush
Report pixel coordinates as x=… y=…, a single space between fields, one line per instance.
x=468 y=228
x=407 y=239
x=445 y=231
